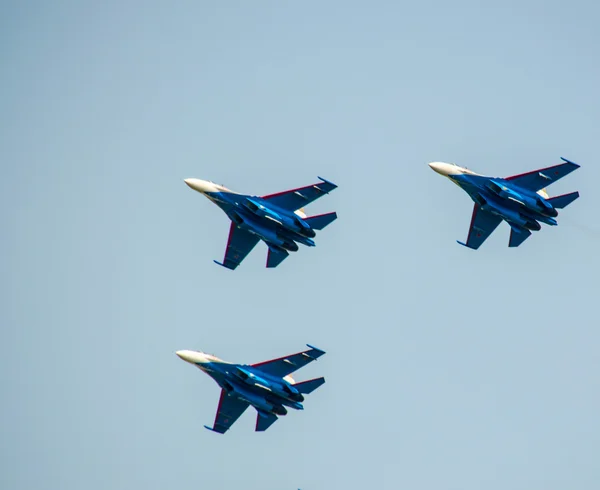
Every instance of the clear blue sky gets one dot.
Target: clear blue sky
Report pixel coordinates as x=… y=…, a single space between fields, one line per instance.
x=445 y=368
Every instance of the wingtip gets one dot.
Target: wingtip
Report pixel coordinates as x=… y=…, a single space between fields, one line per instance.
x=326 y=181
x=222 y=265
x=464 y=244
x=569 y=161
x=315 y=348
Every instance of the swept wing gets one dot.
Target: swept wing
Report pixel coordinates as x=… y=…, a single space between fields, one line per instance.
x=239 y=245
x=287 y=365
x=483 y=223
x=538 y=179
x=229 y=410
x=295 y=199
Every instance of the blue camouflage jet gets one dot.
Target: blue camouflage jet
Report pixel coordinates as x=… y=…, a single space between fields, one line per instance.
x=267 y=386
x=277 y=219
x=520 y=200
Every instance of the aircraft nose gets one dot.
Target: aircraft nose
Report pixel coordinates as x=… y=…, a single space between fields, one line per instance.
x=435 y=166
x=184 y=355
x=200 y=185
x=440 y=167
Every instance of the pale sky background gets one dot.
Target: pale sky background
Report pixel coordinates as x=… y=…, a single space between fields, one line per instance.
x=446 y=368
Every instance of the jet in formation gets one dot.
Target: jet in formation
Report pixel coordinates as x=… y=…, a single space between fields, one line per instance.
x=267 y=386
x=277 y=219
x=520 y=200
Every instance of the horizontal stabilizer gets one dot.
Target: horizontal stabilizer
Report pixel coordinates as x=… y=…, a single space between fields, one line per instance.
x=275 y=257
x=321 y=221
x=516 y=238
x=309 y=386
x=264 y=421
x=563 y=201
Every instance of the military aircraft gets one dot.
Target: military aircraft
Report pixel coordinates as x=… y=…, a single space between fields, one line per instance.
x=267 y=386
x=520 y=200
x=277 y=219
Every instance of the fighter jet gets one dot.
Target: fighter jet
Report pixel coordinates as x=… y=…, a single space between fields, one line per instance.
x=277 y=219
x=520 y=200
x=267 y=386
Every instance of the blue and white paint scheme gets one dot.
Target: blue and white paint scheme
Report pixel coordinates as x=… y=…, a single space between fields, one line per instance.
x=277 y=219
x=520 y=200
x=267 y=386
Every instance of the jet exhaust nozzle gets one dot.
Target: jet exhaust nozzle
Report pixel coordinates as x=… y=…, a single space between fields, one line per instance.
x=290 y=246
x=279 y=410
x=304 y=228
x=547 y=208
x=533 y=225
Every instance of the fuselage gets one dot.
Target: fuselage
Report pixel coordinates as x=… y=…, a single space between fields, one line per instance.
x=280 y=229
x=521 y=208
x=266 y=393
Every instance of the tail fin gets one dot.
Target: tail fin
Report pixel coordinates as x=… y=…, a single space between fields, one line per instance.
x=309 y=386
x=275 y=257
x=543 y=193
x=321 y=221
x=518 y=237
x=300 y=212
x=563 y=201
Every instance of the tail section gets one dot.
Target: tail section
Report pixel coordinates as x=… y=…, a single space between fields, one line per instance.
x=563 y=201
x=518 y=237
x=275 y=257
x=309 y=386
x=321 y=221
x=264 y=420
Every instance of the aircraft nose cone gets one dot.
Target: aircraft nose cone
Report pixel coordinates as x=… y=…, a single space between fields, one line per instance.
x=200 y=185
x=184 y=355
x=435 y=166
x=441 y=168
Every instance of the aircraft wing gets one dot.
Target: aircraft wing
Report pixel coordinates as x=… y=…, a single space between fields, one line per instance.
x=229 y=410
x=287 y=365
x=263 y=422
x=239 y=244
x=295 y=199
x=538 y=179
x=483 y=223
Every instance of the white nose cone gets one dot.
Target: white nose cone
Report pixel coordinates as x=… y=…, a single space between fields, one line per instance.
x=187 y=355
x=444 y=169
x=202 y=186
